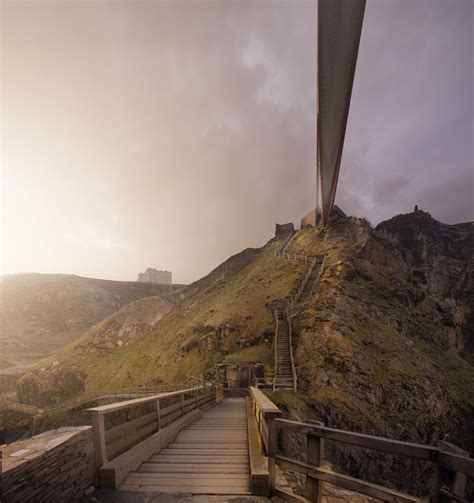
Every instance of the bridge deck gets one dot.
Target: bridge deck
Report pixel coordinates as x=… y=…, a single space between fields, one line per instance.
x=210 y=456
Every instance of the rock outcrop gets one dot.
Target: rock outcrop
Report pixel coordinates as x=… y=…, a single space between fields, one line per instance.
x=380 y=342
x=441 y=260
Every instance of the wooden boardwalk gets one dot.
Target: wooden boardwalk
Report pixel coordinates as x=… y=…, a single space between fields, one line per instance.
x=210 y=456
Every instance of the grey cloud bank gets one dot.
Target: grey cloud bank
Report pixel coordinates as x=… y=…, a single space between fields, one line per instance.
x=180 y=132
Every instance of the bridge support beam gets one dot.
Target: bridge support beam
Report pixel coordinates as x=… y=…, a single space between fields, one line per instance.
x=339 y=30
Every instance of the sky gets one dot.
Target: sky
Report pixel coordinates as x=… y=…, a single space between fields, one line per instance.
x=173 y=134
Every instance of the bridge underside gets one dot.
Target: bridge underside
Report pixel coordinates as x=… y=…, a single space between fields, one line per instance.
x=339 y=30
x=210 y=456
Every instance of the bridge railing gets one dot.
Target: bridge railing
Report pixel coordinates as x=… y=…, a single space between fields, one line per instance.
x=127 y=433
x=264 y=411
x=452 y=469
x=24 y=408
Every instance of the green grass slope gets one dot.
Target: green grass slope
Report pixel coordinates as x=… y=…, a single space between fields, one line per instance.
x=227 y=316
x=40 y=313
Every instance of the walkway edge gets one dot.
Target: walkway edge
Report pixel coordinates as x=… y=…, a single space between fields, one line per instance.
x=259 y=474
x=112 y=474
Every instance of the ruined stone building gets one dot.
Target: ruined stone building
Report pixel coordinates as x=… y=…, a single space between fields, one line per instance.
x=154 y=276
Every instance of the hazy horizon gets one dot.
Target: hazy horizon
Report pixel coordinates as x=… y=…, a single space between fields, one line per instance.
x=133 y=136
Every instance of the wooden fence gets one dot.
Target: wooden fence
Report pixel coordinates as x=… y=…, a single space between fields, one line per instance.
x=316 y=261
x=127 y=433
x=452 y=469
x=24 y=408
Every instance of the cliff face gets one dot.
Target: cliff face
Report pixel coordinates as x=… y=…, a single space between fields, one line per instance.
x=441 y=260
x=380 y=343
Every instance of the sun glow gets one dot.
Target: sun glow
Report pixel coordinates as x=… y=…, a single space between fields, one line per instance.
x=26 y=218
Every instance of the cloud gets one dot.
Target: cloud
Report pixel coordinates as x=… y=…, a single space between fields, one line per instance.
x=174 y=143
x=87 y=236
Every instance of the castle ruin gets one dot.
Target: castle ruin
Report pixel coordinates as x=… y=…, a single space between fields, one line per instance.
x=154 y=276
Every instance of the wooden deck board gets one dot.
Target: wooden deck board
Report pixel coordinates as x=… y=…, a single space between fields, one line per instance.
x=183 y=488
x=210 y=456
x=195 y=468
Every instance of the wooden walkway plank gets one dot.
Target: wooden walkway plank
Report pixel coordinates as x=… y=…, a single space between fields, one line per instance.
x=195 y=468
x=185 y=489
x=210 y=456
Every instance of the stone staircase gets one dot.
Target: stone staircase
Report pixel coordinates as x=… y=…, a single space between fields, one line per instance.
x=285 y=377
x=313 y=276
x=285 y=373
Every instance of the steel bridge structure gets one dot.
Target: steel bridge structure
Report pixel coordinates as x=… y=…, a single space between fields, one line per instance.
x=339 y=32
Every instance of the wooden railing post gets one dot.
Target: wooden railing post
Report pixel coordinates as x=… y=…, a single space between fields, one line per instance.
x=99 y=438
x=182 y=404
x=158 y=419
x=315 y=453
x=452 y=480
x=272 y=451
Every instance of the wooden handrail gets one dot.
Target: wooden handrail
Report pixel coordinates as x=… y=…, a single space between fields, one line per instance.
x=292 y=358
x=275 y=349
x=264 y=410
x=412 y=450
x=270 y=423
x=25 y=408
x=105 y=409
x=145 y=424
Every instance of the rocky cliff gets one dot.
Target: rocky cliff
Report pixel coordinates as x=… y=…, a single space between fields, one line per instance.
x=381 y=342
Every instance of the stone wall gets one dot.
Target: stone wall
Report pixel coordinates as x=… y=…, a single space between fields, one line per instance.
x=58 y=465
x=283 y=229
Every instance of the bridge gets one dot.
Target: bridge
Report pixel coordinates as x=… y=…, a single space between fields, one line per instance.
x=24 y=408
x=201 y=441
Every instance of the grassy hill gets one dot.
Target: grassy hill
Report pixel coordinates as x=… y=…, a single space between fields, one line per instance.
x=41 y=313
x=224 y=315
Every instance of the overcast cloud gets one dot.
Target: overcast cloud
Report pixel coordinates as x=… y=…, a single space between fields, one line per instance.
x=174 y=134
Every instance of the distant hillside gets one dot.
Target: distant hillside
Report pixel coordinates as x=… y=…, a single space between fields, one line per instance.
x=41 y=313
